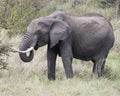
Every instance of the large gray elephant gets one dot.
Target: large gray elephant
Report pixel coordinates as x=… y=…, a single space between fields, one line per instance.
x=86 y=37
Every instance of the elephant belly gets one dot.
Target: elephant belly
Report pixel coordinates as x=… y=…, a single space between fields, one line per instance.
x=86 y=53
x=83 y=55
x=86 y=47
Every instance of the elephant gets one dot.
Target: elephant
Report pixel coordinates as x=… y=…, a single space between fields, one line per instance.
x=87 y=37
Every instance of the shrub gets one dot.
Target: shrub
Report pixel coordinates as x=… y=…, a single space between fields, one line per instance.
x=5 y=48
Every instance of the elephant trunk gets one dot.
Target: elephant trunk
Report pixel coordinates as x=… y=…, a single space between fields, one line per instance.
x=28 y=43
x=24 y=57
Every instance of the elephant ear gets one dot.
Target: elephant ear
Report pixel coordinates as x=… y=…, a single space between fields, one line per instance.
x=60 y=31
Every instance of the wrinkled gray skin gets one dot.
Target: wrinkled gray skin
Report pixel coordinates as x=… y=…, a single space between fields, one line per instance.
x=86 y=37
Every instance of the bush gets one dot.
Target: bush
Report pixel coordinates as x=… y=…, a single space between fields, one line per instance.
x=15 y=15
x=5 y=48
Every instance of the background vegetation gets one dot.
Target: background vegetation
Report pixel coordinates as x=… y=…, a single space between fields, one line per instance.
x=30 y=79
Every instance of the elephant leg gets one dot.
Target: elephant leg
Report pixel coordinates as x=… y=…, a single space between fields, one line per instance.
x=67 y=56
x=51 y=58
x=67 y=63
x=100 y=64
x=103 y=68
x=94 y=68
x=98 y=67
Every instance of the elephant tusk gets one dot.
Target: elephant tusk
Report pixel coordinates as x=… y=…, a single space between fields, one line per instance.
x=28 y=50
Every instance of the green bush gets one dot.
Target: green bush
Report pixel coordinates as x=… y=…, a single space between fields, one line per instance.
x=4 y=49
x=15 y=15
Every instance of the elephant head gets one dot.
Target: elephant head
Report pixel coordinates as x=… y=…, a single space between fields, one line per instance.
x=40 y=32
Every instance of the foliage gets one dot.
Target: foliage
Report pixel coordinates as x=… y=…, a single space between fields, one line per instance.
x=4 y=49
x=15 y=15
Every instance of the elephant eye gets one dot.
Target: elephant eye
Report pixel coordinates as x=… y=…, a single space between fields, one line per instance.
x=40 y=24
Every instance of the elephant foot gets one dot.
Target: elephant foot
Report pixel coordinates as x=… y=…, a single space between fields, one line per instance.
x=68 y=75
x=51 y=77
x=97 y=75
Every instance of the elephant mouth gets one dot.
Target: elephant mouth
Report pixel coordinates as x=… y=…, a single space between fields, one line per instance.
x=39 y=43
x=26 y=53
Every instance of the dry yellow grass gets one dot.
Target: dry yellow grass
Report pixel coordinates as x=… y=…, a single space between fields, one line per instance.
x=30 y=79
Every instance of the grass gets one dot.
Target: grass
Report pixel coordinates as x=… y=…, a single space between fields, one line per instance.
x=37 y=86
x=30 y=79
